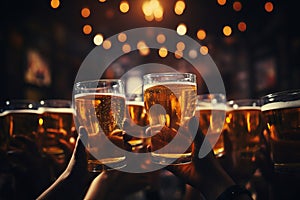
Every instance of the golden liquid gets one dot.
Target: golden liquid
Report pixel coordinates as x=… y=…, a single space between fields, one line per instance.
x=179 y=102
x=284 y=135
x=102 y=115
x=22 y=122
x=4 y=134
x=138 y=115
x=244 y=130
x=213 y=123
x=56 y=123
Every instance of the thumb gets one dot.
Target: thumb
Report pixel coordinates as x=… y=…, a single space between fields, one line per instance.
x=79 y=153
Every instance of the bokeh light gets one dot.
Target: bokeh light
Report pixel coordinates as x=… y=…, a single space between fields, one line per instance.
x=98 y=39
x=204 y=50
x=152 y=10
x=85 y=12
x=122 y=37
x=237 y=6
x=181 y=29
x=124 y=6
x=180 y=46
x=221 y=2
x=227 y=30
x=178 y=54
x=242 y=26
x=269 y=6
x=87 y=29
x=201 y=34
x=163 y=52
x=55 y=3
x=126 y=48
x=179 y=7
x=106 y=44
x=160 y=38
x=193 y=54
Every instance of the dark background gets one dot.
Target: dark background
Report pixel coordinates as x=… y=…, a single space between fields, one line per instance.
x=261 y=60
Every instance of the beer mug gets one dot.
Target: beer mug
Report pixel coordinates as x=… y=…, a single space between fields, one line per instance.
x=56 y=123
x=100 y=109
x=282 y=114
x=244 y=125
x=170 y=101
x=211 y=111
x=21 y=117
x=4 y=134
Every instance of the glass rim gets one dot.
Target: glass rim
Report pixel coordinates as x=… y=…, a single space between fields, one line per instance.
x=281 y=93
x=242 y=102
x=156 y=74
x=84 y=84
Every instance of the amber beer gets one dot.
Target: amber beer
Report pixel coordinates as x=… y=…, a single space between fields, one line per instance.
x=213 y=123
x=4 y=135
x=102 y=114
x=170 y=105
x=57 y=123
x=244 y=127
x=22 y=122
x=283 y=123
x=138 y=123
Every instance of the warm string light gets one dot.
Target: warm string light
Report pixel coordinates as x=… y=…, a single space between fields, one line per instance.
x=179 y=7
x=181 y=29
x=55 y=3
x=269 y=6
x=85 y=12
x=152 y=10
x=124 y=6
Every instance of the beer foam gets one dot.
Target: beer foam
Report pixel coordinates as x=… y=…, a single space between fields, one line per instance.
x=56 y=110
x=26 y=111
x=279 y=105
x=244 y=108
x=211 y=107
x=95 y=94
x=138 y=103
x=168 y=83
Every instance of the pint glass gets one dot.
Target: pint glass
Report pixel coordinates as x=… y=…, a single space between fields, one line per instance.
x=211 y=111
x=100 y=109
x=282 y=114
x=170 y=101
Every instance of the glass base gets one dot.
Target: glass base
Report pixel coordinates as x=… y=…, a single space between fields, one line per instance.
x=106 y=164
x=171 y=158
x=287 y=168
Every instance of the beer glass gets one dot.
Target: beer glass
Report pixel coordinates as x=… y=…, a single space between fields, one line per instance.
x=56 y=123
x=21 y=117
x=100 y=109
x=211 y=111
x=282 y=114
x=4 y=135
x=244 y=123
x=170 y=101
x=137 y=121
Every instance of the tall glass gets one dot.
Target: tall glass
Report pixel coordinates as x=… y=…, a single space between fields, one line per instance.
x=4 y=135
x=211 y=111
x=21 y=117
x=100 y=109
x=244 y=123
x=282 y=114
x=56 y=123
x=170 y=101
